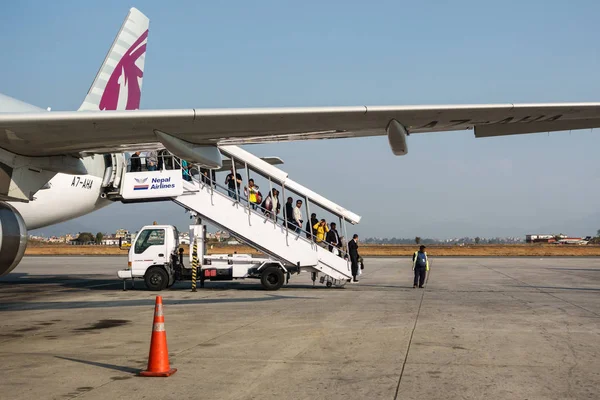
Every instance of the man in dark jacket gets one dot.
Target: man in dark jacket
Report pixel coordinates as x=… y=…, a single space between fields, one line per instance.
x=333 y=238
x=354 y=256
x=289 y=213
x=234 y=182
x=309 y=226
x=136 y=164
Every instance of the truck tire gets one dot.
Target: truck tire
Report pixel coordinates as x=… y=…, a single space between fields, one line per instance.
x=272 y=278
x=156 y=279
x=171 y=283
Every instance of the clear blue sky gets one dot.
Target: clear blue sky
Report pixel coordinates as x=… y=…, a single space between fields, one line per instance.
x=273 y=53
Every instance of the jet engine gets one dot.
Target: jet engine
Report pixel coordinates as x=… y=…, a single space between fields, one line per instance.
x=13 y=238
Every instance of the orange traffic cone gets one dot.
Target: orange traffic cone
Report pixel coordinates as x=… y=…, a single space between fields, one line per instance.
x=158 y=360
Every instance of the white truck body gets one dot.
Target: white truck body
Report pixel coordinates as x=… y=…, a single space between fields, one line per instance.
x=155 y=256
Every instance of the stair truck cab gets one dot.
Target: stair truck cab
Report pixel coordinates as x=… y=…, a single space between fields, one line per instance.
x=156 y=257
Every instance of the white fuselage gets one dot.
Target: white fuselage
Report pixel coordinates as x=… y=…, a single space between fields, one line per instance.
x=66 y=196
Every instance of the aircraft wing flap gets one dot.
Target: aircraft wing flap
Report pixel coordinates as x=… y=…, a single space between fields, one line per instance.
x=535 y=127
x=54 y=133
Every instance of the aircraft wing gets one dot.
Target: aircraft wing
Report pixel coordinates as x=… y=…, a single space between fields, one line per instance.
x=61 y=133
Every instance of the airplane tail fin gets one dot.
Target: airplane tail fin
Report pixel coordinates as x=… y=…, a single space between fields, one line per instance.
x=118 y=84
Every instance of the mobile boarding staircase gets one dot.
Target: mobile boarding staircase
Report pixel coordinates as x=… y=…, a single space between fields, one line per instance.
x=267 y=233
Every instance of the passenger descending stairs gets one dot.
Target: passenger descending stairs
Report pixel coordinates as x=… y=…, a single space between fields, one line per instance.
x=263 y=233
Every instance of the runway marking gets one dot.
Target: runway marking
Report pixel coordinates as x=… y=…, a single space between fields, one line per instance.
x=411 y=335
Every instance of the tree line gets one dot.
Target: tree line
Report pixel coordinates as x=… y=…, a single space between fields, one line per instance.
x=88 y=237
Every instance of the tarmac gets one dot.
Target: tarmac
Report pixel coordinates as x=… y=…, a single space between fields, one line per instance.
x=482 y=328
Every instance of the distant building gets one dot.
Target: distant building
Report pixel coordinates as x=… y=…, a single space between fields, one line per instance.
x=110 y=241
x=121 y=233
x=222 y=235
x=184 y=238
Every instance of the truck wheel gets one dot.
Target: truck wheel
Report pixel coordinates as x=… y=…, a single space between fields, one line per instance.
x=171 y=283
x=272 y=278
x=156 y=279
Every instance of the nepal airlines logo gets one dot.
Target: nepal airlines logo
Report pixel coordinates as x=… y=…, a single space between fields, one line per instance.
x=162 y=183
x=140 y=184
x=155 y=183
x=123 y=86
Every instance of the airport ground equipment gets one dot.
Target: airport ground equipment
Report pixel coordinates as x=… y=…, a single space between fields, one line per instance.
x=154 y=257
x=288 y=250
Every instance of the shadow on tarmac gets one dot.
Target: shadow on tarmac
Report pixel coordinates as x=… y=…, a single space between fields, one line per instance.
x=385 y=286
x=68 y=305
x=90 y=282
x=103 y=365
x=100 y=283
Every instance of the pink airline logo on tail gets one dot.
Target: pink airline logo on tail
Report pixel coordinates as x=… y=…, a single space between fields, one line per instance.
x=123 y=85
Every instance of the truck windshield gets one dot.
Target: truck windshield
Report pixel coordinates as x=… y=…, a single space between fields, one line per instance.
x=149 y=237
